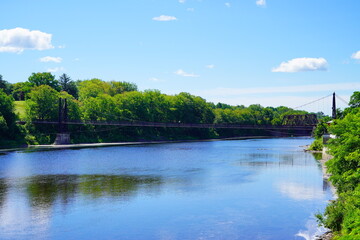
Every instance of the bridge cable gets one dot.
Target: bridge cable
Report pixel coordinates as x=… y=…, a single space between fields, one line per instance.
x=312 y=102
x=342 y=99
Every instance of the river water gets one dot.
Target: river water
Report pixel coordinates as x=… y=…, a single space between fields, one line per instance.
x=240 y=189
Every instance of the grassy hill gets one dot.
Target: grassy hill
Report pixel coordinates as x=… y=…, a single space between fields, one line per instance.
x=20 y=109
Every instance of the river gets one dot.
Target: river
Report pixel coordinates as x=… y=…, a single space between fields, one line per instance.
x=240 y=189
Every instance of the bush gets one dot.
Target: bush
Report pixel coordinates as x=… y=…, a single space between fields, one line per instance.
x=317 y=145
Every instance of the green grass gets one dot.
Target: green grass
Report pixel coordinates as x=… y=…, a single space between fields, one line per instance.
x=20 y=109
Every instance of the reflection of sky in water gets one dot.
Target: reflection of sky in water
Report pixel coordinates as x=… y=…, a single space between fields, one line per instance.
x=16 y=219
x=312 y=230
x=253 y=189
x=299 y=191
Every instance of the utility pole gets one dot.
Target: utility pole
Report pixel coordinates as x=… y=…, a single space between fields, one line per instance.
x=334 y=106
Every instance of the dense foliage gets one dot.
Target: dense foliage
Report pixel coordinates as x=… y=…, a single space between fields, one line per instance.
x=9 y=131
x=343 y=215
x=98 y=100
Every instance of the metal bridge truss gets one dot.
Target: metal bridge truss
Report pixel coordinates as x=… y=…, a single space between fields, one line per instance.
x=308 y=127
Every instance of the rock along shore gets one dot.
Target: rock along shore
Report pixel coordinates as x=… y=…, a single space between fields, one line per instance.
x=325 y=157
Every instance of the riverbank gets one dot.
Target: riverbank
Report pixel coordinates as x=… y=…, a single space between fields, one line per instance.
x=113 y=144
x=325 y=157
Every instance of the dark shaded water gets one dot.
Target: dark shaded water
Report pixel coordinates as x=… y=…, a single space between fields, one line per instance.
x=249 y=189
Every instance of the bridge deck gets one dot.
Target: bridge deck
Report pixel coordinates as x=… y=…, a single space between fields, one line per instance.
x=178 y=125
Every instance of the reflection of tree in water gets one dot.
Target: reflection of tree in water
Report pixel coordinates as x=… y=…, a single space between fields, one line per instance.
x=317 y=156
x=114 y=185
x=270 y=159
x=44 y=190
x=3 y=191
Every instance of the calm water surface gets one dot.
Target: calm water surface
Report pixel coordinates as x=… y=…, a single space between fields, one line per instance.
x=248 y=189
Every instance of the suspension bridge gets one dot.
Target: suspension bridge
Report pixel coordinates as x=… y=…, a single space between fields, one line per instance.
x=292 y=124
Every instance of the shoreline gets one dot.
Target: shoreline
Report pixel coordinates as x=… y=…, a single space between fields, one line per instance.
x=328 y=235
x=114 y=144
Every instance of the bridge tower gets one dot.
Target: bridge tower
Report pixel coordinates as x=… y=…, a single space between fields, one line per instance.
x=334 y=106
x=62 y=137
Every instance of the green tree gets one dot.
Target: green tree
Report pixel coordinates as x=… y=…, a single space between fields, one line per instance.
x=132 y=106
x=346 y=150
x=73 y=106
x=42 y=103
x=321 y=128
x=5 y=86
x=355 y=100
x=44 y=78
x=68 y=85
x=101 y=108
x=21 y=90
x=121 y=87
x=158 y=106
x=343 y=214
x=223 y=105
x=93 y=88
x=7 y=115
x=192 y=109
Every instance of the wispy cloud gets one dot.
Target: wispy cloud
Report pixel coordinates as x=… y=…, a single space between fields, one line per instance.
x=190 y=9
x=228 y=4
x=51 y=59
x=181 y=72
x=356 y=55
x=56 y=69
x=210 y=66
x=164 y=18
x=302 y=65
x=17 y=40
x=289 y=100
x=261 y=3
x=154 y=79
x=182 y=1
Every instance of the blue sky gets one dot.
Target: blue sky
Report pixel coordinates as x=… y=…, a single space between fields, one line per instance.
x=271 y=52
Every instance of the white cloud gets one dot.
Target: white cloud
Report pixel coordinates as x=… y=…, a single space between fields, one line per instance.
x=302 y=65
x=56 y=69
x=181 y=72
x=182 y=1
x=51 y=59
x=164 y=18
x=228 y=4
x=210 y=66
x=17 y=40
x=356 y=55
x=261 y=3
x=190 y=9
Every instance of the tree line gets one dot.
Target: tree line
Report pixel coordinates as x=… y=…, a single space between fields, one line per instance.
x=95 y=99
x=342 y=216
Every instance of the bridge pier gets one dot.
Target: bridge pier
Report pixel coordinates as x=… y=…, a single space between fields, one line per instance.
x=62 y=139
